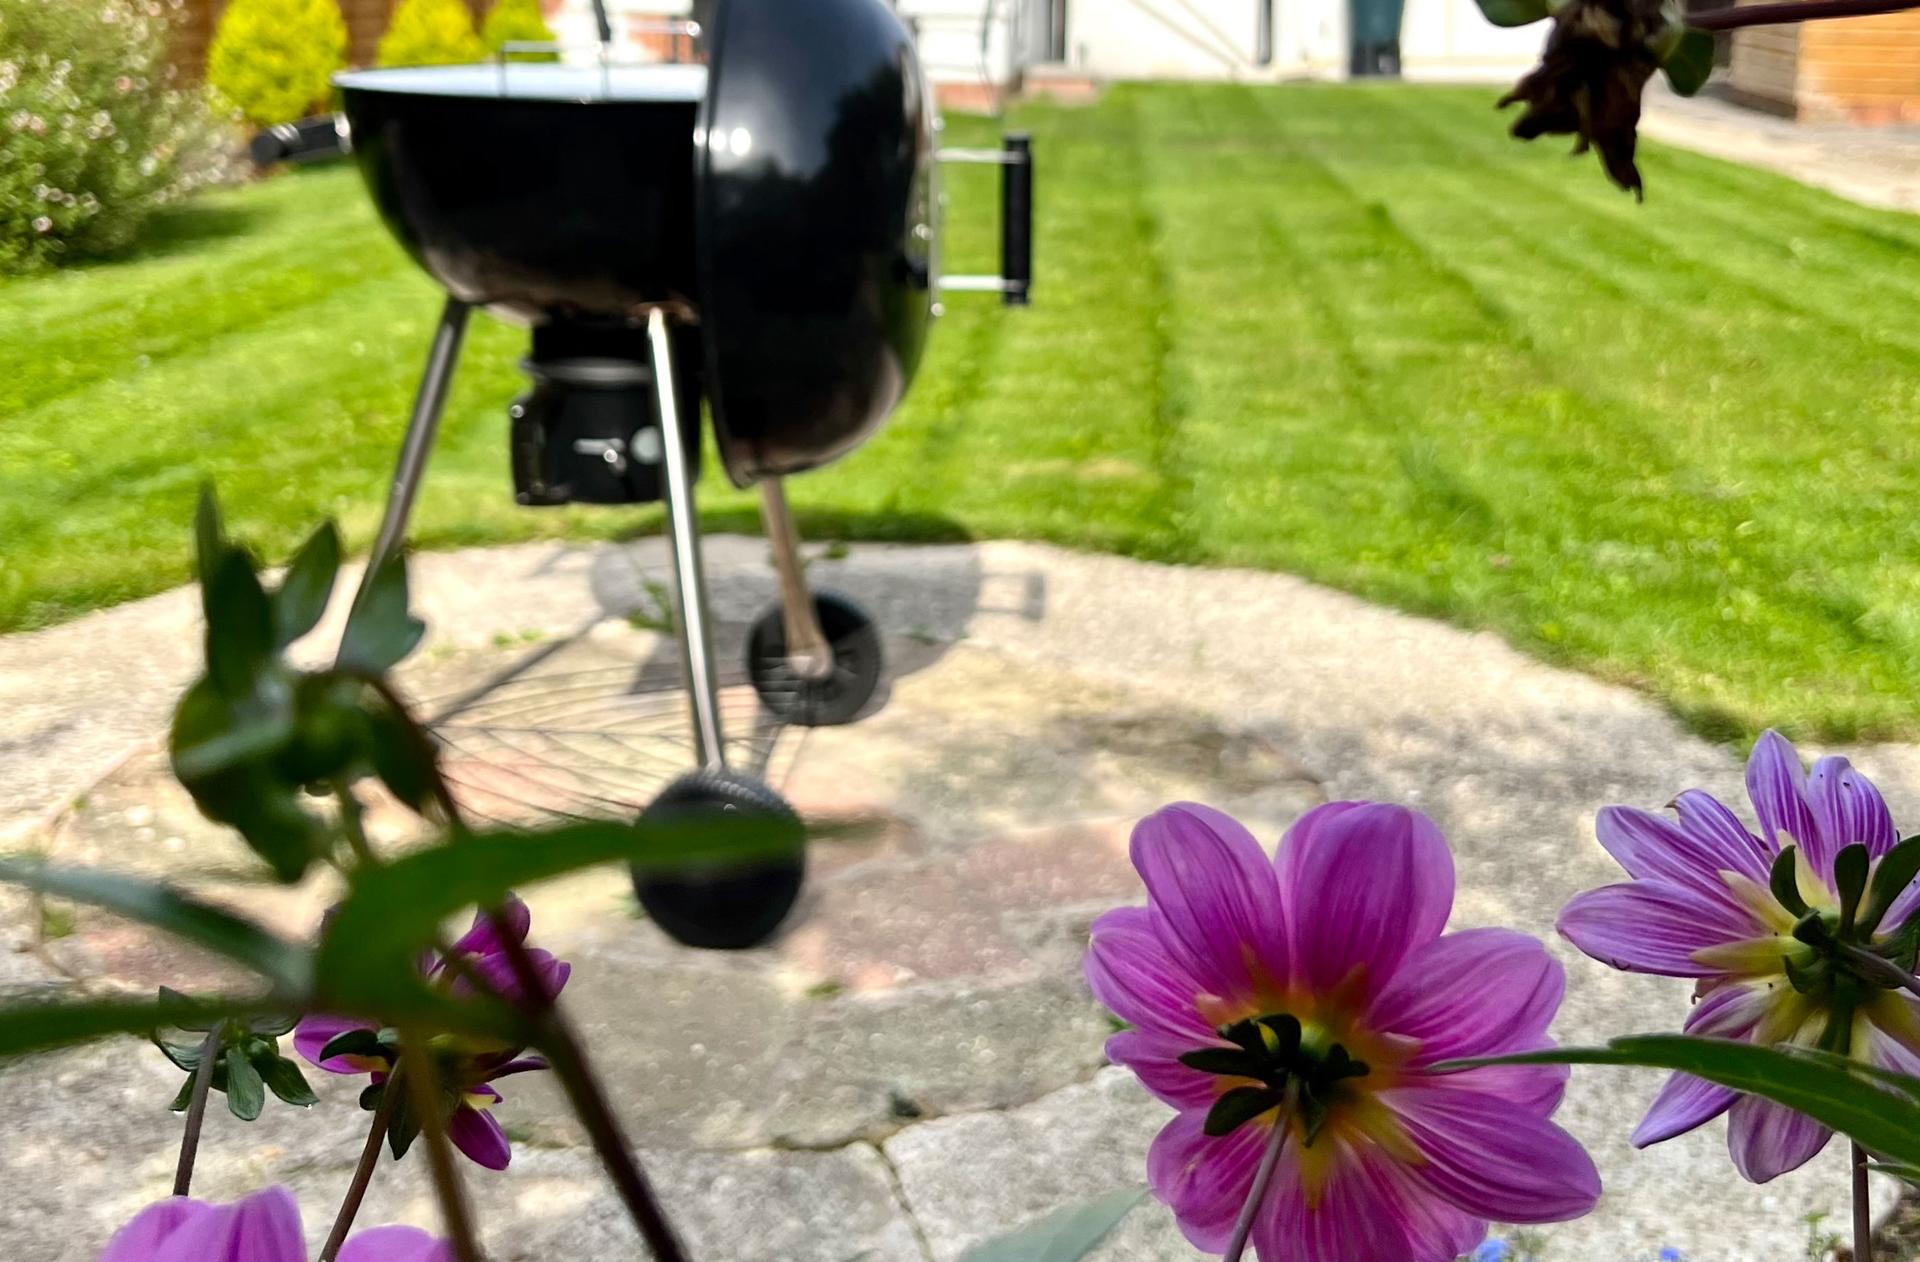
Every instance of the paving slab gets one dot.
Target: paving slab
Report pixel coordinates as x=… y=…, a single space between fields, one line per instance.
x=914 y=1061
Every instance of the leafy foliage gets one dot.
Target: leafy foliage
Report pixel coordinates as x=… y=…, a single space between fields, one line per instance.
x=1690 y=62
x=1514 y=12
x=1877 y=1108
x=431 y=33
x=95 y=133
x=272 y=59
x=252 y=732
x=516 y=22
x=247 y=1062
x=1066 y=1235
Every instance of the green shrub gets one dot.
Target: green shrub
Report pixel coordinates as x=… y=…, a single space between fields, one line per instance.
x=431 y=33
x=94 y=132
x=272 y=58
x=516 y=22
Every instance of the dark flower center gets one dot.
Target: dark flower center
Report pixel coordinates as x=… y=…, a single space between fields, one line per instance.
x=1272 y=1051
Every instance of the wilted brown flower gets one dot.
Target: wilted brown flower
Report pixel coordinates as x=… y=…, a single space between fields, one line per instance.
x=1589 y=80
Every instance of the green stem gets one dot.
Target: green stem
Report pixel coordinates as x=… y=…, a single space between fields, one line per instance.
x=196 y=1111
x=1263 y=1178
x=433 y=1127
x=363 y=1173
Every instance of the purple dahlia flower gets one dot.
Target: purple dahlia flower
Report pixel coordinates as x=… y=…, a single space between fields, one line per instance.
x=466 y=1067
x=1327 y=968
x=1705 y=902
x=263 y=1227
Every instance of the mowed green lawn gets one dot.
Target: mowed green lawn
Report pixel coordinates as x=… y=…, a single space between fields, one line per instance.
x=1351 y=332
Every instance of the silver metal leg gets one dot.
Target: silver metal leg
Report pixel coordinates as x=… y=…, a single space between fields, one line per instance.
x=808 y=654
x=683 y=535
x=418 y=446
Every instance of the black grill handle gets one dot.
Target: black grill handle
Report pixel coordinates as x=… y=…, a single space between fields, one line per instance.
x=1016 y=219
x=604 y=23
x=304 y=141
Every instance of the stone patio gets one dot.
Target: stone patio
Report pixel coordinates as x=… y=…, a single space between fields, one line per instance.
x=915 y=1064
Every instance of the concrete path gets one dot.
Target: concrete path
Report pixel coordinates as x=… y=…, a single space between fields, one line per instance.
x=1875 y=166
x=915 y=1064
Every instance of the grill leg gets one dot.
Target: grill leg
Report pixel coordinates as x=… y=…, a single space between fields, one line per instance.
x=421 y=430
x=683 y=535
x=808 y=654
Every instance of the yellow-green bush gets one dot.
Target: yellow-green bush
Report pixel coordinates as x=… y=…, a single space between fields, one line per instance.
x=515 y=22
x=272 y=58
x=431 y=33
x=94 y=132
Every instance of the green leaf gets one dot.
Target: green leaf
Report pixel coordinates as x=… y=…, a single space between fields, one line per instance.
x=402 y=1128
x=246 y=1092
x=1238 y=1107
x=1782 y=881
x=274 y=1024
x=41 y=1026
x=183 y=1055
x=284 y=1079
x=1875 y=1107
x=213 y=732
x=281 y=963
x=1895 y=872
x=365 y=961
x=1689 y=64
x=183 y=1098
x=239 y=624
x=380 y=631
x=1514 y=12
x=302 y=599
x=1850 y=879
x=1232 y=1061
x=1066 y=1235
x=403 y=756
x=354 y=1043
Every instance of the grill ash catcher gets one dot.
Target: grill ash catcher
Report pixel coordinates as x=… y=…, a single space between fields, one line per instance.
x=756 y=235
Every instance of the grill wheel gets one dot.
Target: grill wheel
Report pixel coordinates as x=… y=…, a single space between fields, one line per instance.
x=731 y=909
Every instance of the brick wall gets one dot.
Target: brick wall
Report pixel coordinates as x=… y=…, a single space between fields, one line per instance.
x=1864 y=70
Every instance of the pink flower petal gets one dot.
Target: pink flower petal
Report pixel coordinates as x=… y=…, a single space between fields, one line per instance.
x=1368 y=1210
x=1363 y=884
x=1778 y=786
x=1494 y=1159
x=1685 y=1102
x=501 y=978
x=1212 y=896
x=1155 y=1061
x=1849 y=808
x=1730 y=1011
x=312 y=1035
x=264 y=1227
x=1130 y=971
x=1478 y=992
x=1706 y=818
x=141 y=1238
x=1652 y=848
x=1204 y=1180
x=1653 y=927
x=396 y=1244
x=482 y=940
x=475 y=1133
x=1767 y=1139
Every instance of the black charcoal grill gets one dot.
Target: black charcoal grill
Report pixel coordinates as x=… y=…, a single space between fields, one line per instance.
x=757 y=232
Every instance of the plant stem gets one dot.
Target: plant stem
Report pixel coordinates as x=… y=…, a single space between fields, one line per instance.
x=1886 y=971
x=196 y=1111
x=1797 y=11
x=446 y=1178
x=1862 y=1209
x=1261 y=1179
x=363 y=1173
